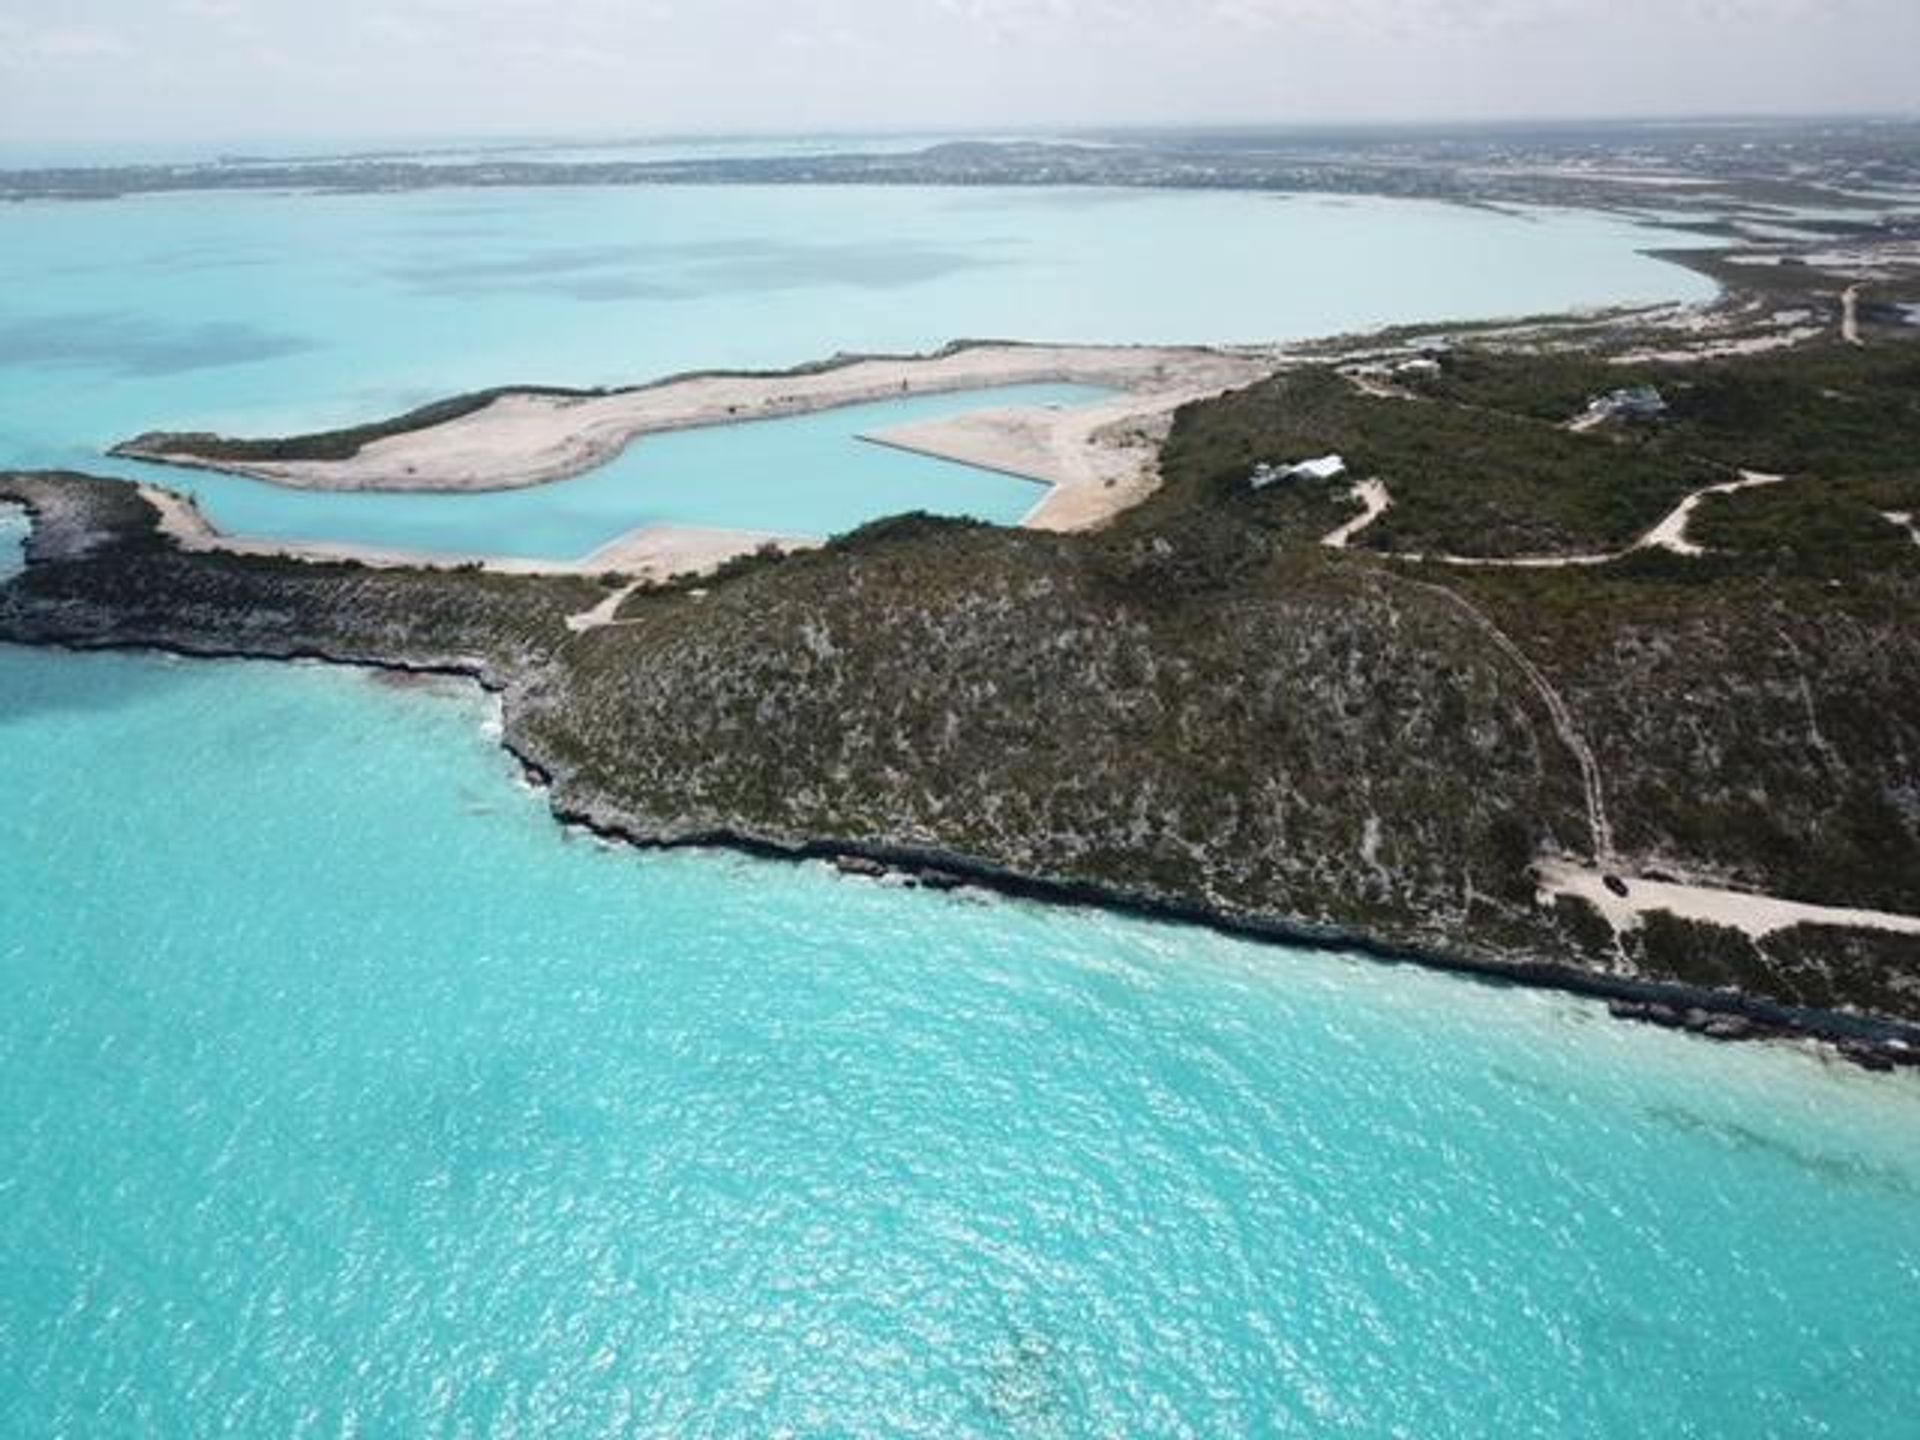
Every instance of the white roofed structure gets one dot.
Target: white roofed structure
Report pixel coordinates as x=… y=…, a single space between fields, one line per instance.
x=1327 y=467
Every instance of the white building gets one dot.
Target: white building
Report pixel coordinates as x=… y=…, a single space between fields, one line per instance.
x=1327 y=467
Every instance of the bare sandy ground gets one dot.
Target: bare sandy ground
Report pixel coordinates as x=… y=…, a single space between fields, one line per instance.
x=1756 y=915
x=525 y=439
x=1099 y=459
x=655 y=552
x=1721 y=349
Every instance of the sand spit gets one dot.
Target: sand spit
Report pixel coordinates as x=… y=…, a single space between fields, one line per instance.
x=1755 y=915
x=653 y=552
x=522 y=438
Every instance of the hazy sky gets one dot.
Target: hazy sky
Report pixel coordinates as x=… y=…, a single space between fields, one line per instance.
x=158 y=69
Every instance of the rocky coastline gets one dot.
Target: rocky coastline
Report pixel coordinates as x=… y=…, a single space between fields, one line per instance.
x=1871 y=1043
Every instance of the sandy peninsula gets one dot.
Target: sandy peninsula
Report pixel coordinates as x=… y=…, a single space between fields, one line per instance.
x=525 y=438
x=1098 y=459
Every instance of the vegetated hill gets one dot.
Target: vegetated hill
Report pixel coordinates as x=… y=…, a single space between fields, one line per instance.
x=1466 y=480
x=1233 y=727
x=1203 y=706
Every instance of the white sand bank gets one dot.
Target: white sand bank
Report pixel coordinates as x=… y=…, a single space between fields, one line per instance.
x=1100 y=459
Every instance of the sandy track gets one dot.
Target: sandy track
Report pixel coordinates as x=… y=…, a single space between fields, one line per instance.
x=1373 y=497
x=1756 y=915
x=1670 y=535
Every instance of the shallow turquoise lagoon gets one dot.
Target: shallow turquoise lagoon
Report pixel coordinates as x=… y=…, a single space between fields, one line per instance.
x=277 y=314
x=340 y=1094
x=809 y=475
x=281 y=313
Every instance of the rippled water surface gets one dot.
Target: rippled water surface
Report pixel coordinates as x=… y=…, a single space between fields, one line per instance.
x=339 y=1094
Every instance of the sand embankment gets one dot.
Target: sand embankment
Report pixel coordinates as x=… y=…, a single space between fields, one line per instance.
x=523 y=438
x=1099 y=458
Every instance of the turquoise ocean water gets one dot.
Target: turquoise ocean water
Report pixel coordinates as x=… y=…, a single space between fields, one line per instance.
x=341 y=1096
x=341 y=1093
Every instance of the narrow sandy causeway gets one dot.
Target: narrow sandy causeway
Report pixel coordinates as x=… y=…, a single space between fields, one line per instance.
x=1756 y=915
x=521 y=439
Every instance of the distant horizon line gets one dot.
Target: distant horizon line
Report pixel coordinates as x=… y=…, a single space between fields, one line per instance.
x=259 y=145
